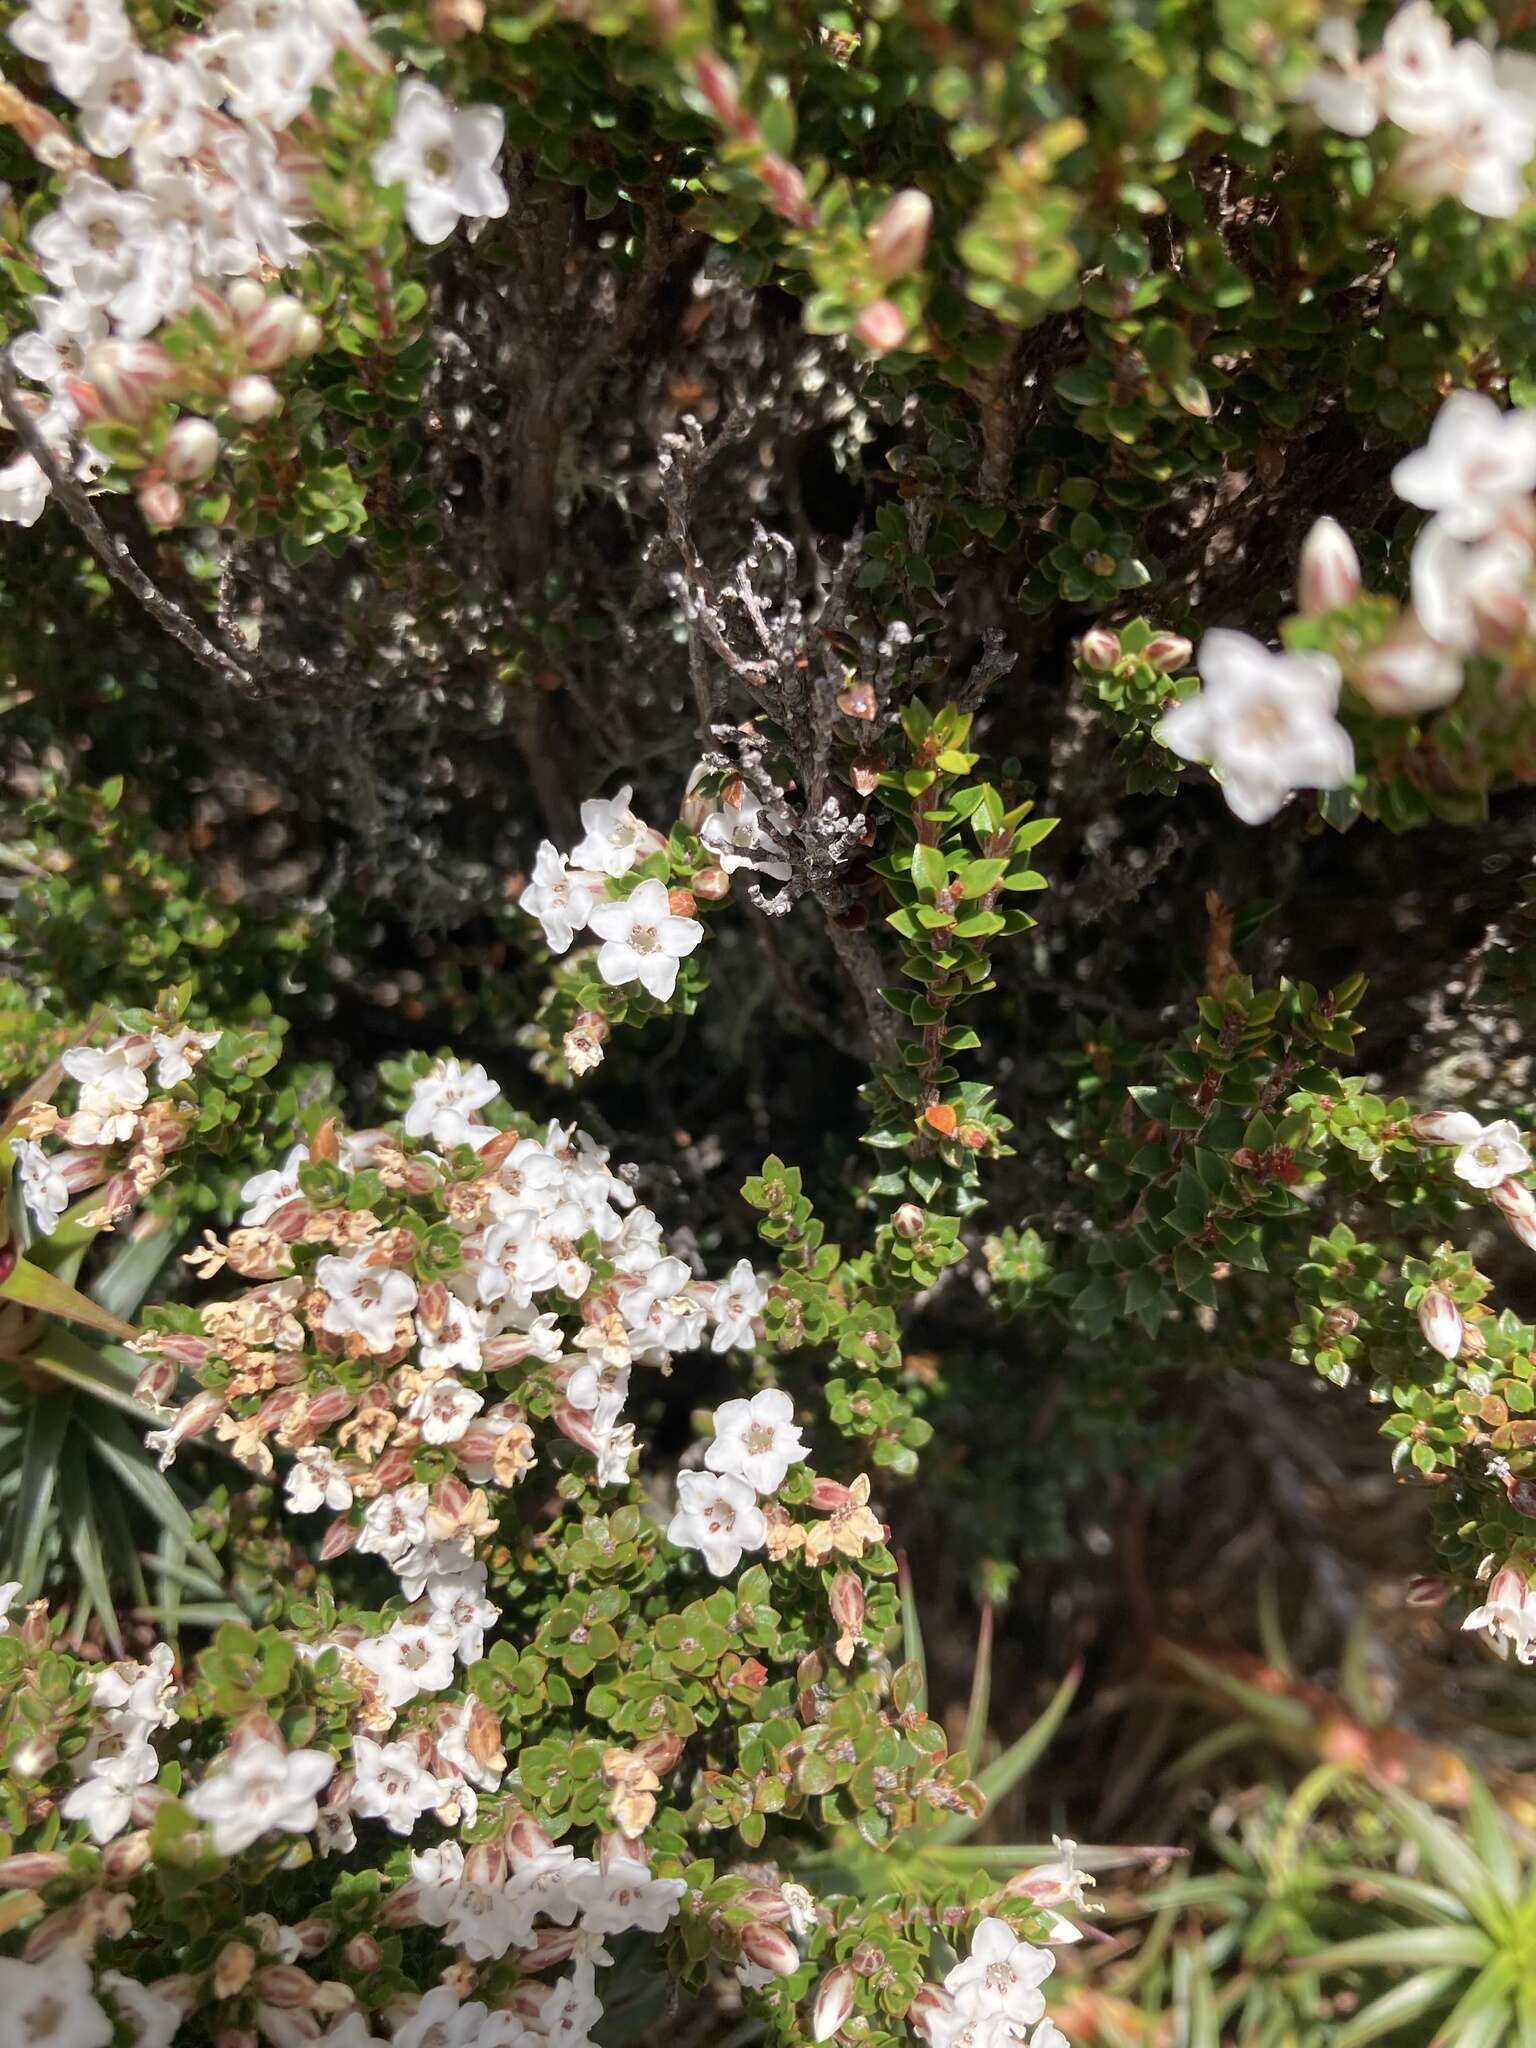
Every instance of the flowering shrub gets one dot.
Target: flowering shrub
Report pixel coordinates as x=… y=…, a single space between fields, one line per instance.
x=916 y=627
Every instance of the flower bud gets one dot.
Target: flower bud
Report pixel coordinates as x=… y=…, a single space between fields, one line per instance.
x=191 y=449
x=268 y=334
x=881 y=327
x=846 y=1600
x=661 y=1752
x=362 y=1954
x=156 y=1383
x=1168 y=653
x=232 y=1969
x=575 y=1424
x=393 y=1469
x=338 y=1540
x=1514 y=1201
x=332 y=1405
x=34 y=1757
x=834 y=2001
x=1408 y=673
x=770 y=1948
x=1328 y=572
x=31 y=1869
x=245 y=299
x=717 y=82
x=525 y=1841
x=827 y=1494
x=1440 y=1320
x=123 y=1859
x=928 y=2013
x=1426 y=1591
x=315 y=1936
x=899 y=237
x=236 y=2037
x=681 y=902
x=252 y=399
x=1099 y=649
x=282 y=1985
x=909 y=1222
x=1441 y=1126
x=764 y=1901
x=307 y=337
x=128 y=376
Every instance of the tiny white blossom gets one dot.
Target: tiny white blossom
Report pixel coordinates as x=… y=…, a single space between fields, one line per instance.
x=757 y=1440
x=561 y=898
x=113 y=1088
x=445 y=1410
x=718 y=1515
x=1462 y=591
x=460 y=1606
x=178 y=1052
x=8 y=1593
x=265 y=1193
x=104 y=1797
x=364 y=1300
x=76 y=39
x=443 y=1103
x=393 y=1785
x=42 y=1184
x=155 y=2018
x=735 y=1305
x=1265 y=721
x=1477 y=464
x=261 y=1789
x=1342 y=92
x=611 y=835
x=316 y=1481
x=410 y=1658
x=1486 y=1153
x=395 y=1523
x=445 y=157
x=621 y=1893
x=642 y=940
x=52 y=2003
x=1001 y=1977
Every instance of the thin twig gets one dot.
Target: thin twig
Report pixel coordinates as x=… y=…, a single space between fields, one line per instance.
x=113 y=553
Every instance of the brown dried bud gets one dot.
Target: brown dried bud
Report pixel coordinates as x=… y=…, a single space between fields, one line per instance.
x=126 y=1857
x=681 y=902
x=233 y=1968
x=846 y=1600
x=662 y=1752
x=156 y=1383
x=712 y=883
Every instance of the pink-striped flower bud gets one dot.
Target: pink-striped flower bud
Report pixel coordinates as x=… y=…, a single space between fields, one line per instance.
x=284 y=1986
x=881 y=326
x=846 y=1600
x=765 y=1902
x=129 y=376
x=330 y=1406
x=30 y=1869
x=252 y=399
x=236 y=2037
x=362 y=1954
x=899 y=238
x=1516 y=1204
x=1427 y=1591
x=1099 y=649
x=1168 y=653
x=1328 y=572
x=1441 y=1321
x=196 y=1419
x=485 y=1864
x=827 y=1494
x=286 y=2027
x=315 y=1936
x=156 y=1383
x=572 y=1422
x=526 y=1841
x=338 y=1540
x=188 y=1351
x=552 y=1946
x=770 y=1948
x=275 y=1408
x=123 y=1859
x=1443 y=1127
x=191 y=449
x=268 y=334
x=717 y=82
x=392 y=1470
x=930 y=2014
x=834 y=2001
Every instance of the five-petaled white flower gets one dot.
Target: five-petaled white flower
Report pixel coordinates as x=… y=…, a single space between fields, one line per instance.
x=445 y=1410
x=443 y=1104
x=1001 y=1977
x=316 y=1481
x=1478 y=463
x=734 y=1307
x=445 y=157
x=642 y=940
x=43 y=1186
x=621 y=1893
x=560 y=897
x=261 y=1789
x=718 y=1515
x=265 y=1193
x=1265 y=721
x=364 y=1300
x=611 y=834
x=757 y=1440
x=52 y=2003
x=1485 y=1153
x=393 y=1784
x=178 y=1052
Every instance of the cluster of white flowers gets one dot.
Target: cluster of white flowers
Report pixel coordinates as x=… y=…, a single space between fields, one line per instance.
x=643 y=937
x=113 y=1110
x=993 y=1998
x=748 y=1458
x=120 y=1759
x=1267 y=722
x=1467 y=113
x=55 y=2004
x=187 y=187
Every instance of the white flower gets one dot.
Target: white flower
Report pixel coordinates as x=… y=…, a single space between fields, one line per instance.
x=1417 y=66
x=460 y=1607
x=364 y=1299
x=265 y=1193
x=611 y=835
x=1486 y=1153
x=24 y=491
x=273 y=71
x=736 y=1304
x=104 y=1797
x=599 y=1389
x=8 y=1593
x=395 y=1523
x=757 y=1440
x=453 y=1749
x=55 y=348
x=621 y=1894
x=155 y=2018
x=261 y=1789
x=456 y=1346
x=559 y=898
x=139 y=1693
x=718 y=1515
x=1342 y=92
x=1508 y=1614
x=1477 y=464
x=76 y=39
x=410 y=1658
x=88 y=243
x=741 y=831
x=441 y=2022
x=570 y=2009
x=445 y=1410
x=614 y=1449
x=179 y=1052
x=42 y=1184
x=443 y=1103
x=112 y=1089
x=393 y=1785
x=1461 y=591
x=316 y=1481
x=445 y=157
x=1479 y=149
x=129 y=94
x=353 y=2032
x=51 y=2004
x=1001 y=1977
x=1408 y=673
x=1264 y=721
